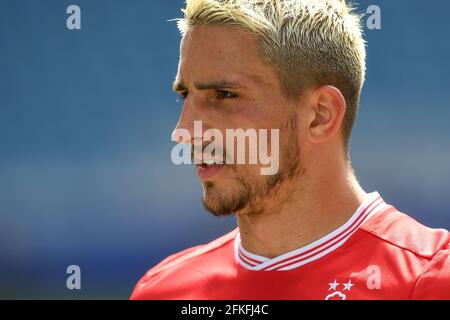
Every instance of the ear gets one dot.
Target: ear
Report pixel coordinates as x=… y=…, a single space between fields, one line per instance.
x=327 y=113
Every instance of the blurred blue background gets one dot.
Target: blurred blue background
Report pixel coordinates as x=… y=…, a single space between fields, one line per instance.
x=85 y=124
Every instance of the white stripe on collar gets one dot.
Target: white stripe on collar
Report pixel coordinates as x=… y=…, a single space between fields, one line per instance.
x=315 y=250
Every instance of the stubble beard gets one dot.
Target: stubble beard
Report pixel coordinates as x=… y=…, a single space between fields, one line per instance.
x=244 y=197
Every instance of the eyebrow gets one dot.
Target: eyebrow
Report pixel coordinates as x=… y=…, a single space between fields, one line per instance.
x=179 y=86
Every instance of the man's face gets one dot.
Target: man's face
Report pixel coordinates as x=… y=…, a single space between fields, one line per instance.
x=226 y=85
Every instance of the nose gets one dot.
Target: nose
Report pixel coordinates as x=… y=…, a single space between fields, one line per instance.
x=185 y=131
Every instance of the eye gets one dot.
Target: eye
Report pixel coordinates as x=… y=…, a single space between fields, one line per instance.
x=182 y=95
x=223 y=94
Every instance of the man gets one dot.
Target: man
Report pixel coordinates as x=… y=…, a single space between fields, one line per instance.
x=309 y=231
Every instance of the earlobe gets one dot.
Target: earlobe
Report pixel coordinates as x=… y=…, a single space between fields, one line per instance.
x=328 y=113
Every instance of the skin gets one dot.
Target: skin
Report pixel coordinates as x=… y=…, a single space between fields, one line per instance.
x=225 y=84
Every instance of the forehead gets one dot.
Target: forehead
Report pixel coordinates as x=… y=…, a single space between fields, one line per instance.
x=210 y=51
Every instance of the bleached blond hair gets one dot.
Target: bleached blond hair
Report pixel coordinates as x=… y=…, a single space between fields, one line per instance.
x=310 y=43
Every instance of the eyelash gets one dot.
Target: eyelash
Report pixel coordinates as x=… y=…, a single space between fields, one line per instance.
x=223 y=92
x=183 y=95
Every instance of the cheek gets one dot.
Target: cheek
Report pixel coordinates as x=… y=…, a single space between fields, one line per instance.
x=251 y=174
x=248 y=115
x=242 y=117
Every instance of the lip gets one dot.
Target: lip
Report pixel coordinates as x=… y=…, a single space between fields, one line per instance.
x=208 y=172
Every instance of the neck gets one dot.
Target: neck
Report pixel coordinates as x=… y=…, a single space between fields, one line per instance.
x=314 y=209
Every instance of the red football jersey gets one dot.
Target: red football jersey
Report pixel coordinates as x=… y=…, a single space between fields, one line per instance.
x=379 y=253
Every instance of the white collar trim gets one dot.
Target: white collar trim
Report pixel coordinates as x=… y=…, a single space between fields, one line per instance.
x=315 y=250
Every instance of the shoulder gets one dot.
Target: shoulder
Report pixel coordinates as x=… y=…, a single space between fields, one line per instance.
x=182 y=270
x=399 y=230
x=434 y=281
x=418 y=245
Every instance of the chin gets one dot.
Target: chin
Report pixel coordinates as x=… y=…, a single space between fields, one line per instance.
x=223 y=201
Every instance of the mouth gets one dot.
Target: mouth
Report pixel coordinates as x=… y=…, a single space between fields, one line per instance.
x=209 y=169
